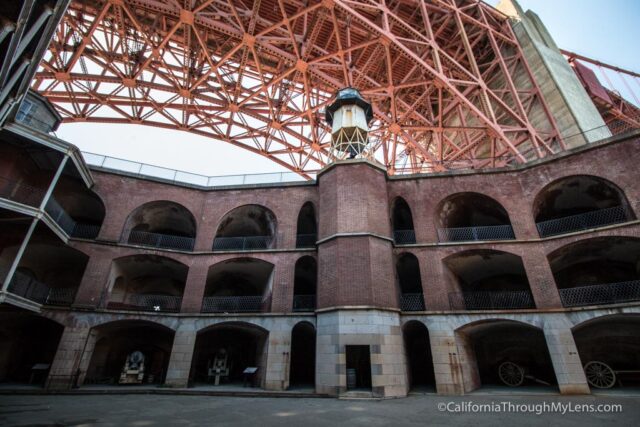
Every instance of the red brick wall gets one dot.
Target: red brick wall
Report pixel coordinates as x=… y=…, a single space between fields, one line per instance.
x=355 y=198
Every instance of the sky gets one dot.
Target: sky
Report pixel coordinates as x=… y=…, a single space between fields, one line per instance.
x=606 y=30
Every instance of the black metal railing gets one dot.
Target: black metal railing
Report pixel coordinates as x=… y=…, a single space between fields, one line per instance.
x=306 y=240
x=583 y=221
x=304 y=302
x=85 y=231
x=467 y=234
x=491 y=300
x=31 y=289
x=60 y=216
x=245 y=243
x=21 y=192
x=607 y=293
x=404 y=237
x=148 y=302
x=412 y=302
x=240 y=304
x=158 y=240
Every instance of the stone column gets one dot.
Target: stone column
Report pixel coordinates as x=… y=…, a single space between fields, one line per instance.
x=446 y=360
x=66 y=363
x=564 y=356
x=278 y=359
x=184 y=342
x=541 y=280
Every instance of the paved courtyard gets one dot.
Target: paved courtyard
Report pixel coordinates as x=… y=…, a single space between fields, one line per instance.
x=163 y=410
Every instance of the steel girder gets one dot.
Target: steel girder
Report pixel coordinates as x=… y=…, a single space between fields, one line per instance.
x=447 y=78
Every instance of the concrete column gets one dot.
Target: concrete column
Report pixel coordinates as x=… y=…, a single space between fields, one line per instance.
x=66 y=363
x=195 y=286
x=277 y=360
x=447 y=366
x=184 y=342
x=564 y=356
x=541 y=280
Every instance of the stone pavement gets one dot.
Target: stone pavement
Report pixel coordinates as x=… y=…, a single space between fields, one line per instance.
x=157 y=410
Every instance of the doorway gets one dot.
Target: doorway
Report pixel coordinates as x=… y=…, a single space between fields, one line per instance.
x=358 y=367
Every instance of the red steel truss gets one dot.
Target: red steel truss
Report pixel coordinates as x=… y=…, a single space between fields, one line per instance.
x=615 y=98
x=447 y=78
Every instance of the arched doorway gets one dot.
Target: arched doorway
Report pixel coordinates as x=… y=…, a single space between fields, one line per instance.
x=419 y=360
x=231 y=348
x=303 y=356
x=115 y=342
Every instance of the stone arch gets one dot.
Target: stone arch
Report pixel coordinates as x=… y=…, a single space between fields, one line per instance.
x=237 y=344
x=402 y=222
x=163 y=224
x=306 y=226
x=246 y=227
x=485 y=279
x=578 y=202
x=491 y=347
x=469 y=216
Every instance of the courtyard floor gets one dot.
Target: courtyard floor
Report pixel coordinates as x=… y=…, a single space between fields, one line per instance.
x=163 y=410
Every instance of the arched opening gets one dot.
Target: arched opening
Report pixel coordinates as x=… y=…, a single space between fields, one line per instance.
x=249 y=227
x=419 y=360
x=49 y=272
x=609 y=349
x=488 y=280
x=402 y=222
x=129 y=352
x=472 y=216
x=504 y=353
x=410 y=283
x=224 y=352
x=304 y=284
x=307 y=233
x=303 y=355
x=28 y=345
x=602 y=270
x=578 y=203
x=78 y=210
x=238 y=285
x=161 y=224
x=147 y=283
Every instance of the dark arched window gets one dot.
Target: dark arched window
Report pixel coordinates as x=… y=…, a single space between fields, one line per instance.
x=307 y=233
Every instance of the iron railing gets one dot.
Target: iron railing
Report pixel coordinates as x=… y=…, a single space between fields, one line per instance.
x=467 y=234
x=21 y=192
x=157 y=240
x=241 y=304
x=60 y=216
x=31 y=289
x=607 y=293
x=148 y=302
x=412 y=302
x=304 y=302
x=245 y=243
x=85 y=231
x=491 y=300
x=404 y=237
x=306 y=240
x=583 y=221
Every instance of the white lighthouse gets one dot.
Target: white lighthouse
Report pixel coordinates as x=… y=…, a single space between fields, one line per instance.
x=349 y=116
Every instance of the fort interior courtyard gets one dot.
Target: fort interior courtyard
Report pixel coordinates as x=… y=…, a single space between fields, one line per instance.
x=479 y=231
